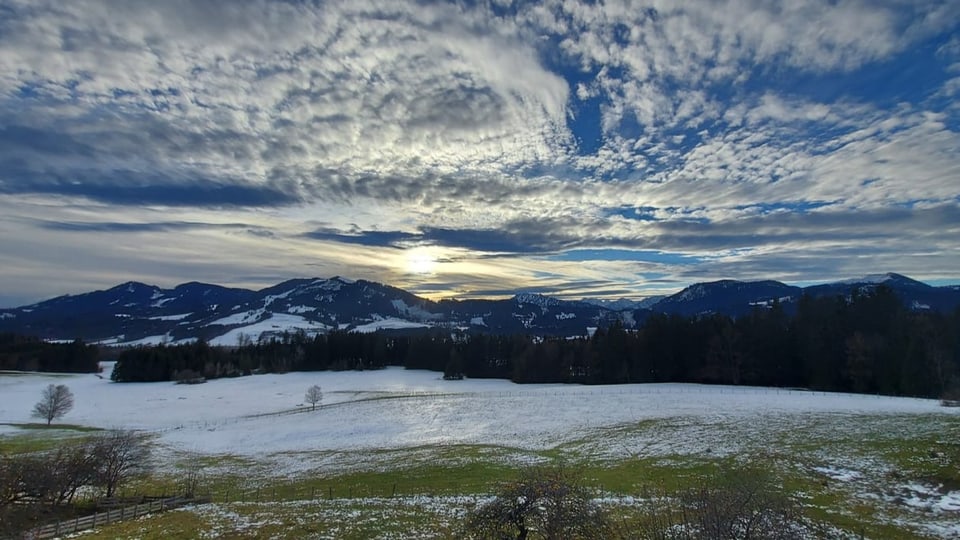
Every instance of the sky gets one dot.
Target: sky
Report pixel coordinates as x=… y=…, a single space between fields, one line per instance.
x=608 y=149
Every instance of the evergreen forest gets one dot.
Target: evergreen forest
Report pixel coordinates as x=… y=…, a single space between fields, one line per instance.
x=865 y=343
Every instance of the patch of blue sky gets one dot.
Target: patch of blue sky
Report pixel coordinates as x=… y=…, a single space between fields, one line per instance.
x=643 y=213
x=603 y=254
x=584 y=122
x=27 y=91
x=801 y=207
x=909 y=77
x=942 y=282
x=649 y=213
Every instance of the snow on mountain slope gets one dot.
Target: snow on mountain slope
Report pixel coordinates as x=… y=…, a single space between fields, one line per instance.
x=245 y=317
x=623 y=304
x=390 y=323
x=276 y=324
x=871 y=278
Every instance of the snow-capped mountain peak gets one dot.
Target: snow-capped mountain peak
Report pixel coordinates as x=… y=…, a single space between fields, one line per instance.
x=536 y=299
x=134 y=312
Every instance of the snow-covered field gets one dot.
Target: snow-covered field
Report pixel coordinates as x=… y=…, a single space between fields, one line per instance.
x=396 y=408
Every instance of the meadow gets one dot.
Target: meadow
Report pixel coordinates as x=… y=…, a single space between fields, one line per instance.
x=399 y=453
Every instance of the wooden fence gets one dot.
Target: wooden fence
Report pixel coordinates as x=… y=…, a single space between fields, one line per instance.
x=71 y=526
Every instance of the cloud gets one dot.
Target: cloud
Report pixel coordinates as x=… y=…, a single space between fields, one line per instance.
x=249 y=93
x=503 y=137
x=127 y=227
x=395 y=239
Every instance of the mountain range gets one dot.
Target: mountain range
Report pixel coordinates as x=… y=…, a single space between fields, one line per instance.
x=135 y=313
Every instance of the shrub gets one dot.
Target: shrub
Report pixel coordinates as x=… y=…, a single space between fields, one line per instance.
x=738 y=505
x=547 y=503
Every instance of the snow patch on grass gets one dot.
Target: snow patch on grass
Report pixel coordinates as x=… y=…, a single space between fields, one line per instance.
x=839 y=474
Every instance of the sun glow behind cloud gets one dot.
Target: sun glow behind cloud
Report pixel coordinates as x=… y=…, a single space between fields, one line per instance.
x=421 y=262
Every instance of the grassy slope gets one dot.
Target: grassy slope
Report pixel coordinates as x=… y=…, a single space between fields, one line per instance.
x=421 y=492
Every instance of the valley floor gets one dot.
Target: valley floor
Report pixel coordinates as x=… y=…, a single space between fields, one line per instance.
x=410 y=445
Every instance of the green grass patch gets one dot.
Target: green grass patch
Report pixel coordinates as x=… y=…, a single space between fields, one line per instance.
x=346 y=520
x=25 y=443
x=423 y=480
x=53 y=427
x=171 y=524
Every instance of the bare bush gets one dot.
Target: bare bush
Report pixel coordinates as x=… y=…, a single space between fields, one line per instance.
x=544 y=503
x=188 y=376
x=11 y=480
x=739 y=505
x=951 y=395
x=54 y=478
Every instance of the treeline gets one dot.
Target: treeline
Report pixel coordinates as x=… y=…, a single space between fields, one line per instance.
x=291 y=352
x=33 y=354
x=866 y=343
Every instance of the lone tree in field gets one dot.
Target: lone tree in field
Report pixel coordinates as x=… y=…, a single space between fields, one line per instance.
x=56 y=401
x=313 y=396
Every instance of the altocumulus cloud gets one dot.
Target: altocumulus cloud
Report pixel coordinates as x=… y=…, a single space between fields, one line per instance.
x=733 y=137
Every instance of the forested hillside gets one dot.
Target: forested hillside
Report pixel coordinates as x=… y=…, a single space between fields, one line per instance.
x=865 y=343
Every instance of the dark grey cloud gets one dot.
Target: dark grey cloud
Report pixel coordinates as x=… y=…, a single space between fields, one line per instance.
x=393 y=239
x=875 y=228
x=17 y=138
x=132 y=188
x=128 y=227
x=518 y=237
x=871 y=229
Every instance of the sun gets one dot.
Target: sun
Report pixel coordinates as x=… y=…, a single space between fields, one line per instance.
x=420 y=261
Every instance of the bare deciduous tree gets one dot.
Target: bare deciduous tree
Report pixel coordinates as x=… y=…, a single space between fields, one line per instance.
x=56 y=401
x=313 y=396
x=544 y=503
x=120 y=455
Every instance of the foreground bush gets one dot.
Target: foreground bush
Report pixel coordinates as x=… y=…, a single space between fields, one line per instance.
x=738 y=505
x=544 y=503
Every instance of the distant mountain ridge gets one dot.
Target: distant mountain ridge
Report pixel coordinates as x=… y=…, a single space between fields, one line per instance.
x=137 y=313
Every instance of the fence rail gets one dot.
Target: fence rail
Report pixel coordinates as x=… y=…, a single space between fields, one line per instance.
x=71 y=526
